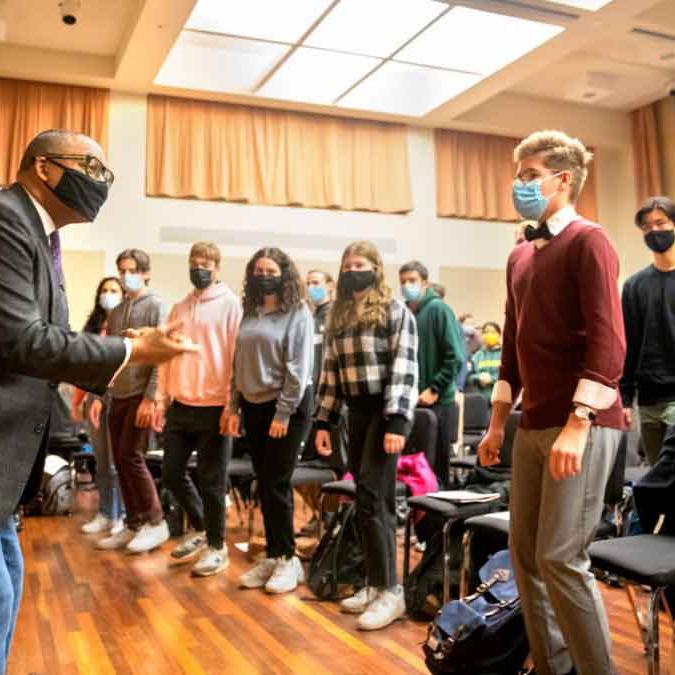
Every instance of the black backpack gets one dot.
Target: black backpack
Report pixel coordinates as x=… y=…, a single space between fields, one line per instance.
x=424 y=586
x=337 y=568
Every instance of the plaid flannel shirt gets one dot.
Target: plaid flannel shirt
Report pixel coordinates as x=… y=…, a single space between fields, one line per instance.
x=371 y=361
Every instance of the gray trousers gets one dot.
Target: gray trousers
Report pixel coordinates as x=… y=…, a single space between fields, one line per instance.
x=552 y=525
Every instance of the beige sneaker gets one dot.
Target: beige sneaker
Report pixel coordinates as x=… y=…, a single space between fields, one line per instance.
x=191 y=546
x=99 y=523
x=259 y=575
x=359 y=602
x=115 y=541
x=149 y=537
x=287 y=574
x=212 y=561
x=387 y=607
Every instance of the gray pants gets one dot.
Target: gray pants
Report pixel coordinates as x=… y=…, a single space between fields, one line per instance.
x=552 y=525
x=654 y=422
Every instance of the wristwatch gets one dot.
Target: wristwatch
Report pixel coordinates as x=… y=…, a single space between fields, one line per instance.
x=583 y=412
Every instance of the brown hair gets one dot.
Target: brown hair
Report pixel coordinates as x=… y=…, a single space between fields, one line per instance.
x=560 y=153
x=328 y=277
x=141 y=258
x=292 y=291
x=206 y=249
x=372 y=310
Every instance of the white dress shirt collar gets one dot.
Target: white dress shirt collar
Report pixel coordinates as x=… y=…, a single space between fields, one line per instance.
x=47 y=220
x=561 y=219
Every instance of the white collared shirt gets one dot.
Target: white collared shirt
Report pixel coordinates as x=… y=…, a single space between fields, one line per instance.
x=561 y=219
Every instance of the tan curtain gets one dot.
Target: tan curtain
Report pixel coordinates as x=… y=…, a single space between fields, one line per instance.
x=474 y=173
x=646 y=153
x=26 y=108
x=209 y=150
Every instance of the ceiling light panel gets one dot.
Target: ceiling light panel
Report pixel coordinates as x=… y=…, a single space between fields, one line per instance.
x=373 y=27
x=591 y=5
x=476 y=41
x=218 y=63
x=316 y=76
x=403 y=89
x=279 y=20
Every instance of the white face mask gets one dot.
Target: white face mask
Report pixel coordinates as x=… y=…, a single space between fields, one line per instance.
x=132 y=281
x=109 y=300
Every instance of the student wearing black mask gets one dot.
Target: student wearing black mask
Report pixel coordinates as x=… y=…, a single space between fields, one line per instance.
x=649 y=311
x=272 y=400
x=370 y=364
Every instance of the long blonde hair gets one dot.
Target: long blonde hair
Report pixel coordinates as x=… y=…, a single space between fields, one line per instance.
x=372 y=310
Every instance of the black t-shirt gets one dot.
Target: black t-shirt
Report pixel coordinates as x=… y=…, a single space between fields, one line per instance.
x=649 y=314
x=320 y=320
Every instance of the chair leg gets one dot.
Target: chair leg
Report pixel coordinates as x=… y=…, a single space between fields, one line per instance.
x=637 y=613
x=406 y=544
x=466 y=564
x=653 y=661
x=446 y=560
x=322 y=515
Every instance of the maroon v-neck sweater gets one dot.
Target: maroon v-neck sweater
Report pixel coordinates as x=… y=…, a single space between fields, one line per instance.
x=563 y=324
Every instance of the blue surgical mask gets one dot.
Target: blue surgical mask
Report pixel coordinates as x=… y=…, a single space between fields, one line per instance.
x=528 y=199
x=109 y=300
x=132 y=282
x=411 y=292
x=317 y=294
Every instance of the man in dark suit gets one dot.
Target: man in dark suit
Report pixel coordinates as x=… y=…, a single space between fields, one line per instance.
x=62 y=179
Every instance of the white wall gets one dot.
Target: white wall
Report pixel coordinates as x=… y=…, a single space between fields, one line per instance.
x=132 y=219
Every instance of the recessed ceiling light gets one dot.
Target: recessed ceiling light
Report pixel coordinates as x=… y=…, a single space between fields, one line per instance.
x=373 y=27
x=218 y=63
x=316 y=76
x=403 y=89
x=475 y=41
x=263 y=19
x=590 y=5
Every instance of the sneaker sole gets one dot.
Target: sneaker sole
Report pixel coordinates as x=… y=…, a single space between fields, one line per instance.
x=173 y=561
x=211 y=573
x=135 y=551
x=347 y=610
x=369 y=628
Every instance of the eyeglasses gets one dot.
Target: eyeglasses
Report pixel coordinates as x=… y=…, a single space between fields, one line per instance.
x=92 y=166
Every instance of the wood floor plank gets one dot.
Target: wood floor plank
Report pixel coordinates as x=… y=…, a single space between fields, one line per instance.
x=89 y=612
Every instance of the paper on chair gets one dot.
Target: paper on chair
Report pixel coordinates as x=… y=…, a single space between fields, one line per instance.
x=465 y=496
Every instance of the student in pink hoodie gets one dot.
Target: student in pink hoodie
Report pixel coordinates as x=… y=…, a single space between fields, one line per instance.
x=193 y=395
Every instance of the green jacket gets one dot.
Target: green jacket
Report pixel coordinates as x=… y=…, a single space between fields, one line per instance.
x=485 y=361
x=440 y=351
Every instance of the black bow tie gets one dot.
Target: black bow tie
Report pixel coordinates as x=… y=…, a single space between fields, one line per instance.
x=541 y=232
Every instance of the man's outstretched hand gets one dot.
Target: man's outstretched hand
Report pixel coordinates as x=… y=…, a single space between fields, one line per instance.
x=153 y=346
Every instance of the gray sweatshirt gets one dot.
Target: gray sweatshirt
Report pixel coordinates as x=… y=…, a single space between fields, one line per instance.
x=148 y=310
x=273 y=360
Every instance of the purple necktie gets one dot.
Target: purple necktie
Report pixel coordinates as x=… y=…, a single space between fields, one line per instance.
x=55 y=248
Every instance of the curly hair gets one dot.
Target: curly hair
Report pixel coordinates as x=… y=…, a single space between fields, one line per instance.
x=292 y=291
x=373 y=309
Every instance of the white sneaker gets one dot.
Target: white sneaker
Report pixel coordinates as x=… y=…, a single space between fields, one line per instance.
x=287 y=574
x=117 y=526
x=359 y=602
x=387 y=607
x=191 y=546
x=213 y=561
x=115 y=541
x=259 y=575
x=149 y=537
x=99 y=523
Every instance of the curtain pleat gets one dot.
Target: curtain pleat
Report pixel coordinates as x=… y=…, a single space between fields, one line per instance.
x=646 y=153
x=210 y=150
x=26 y=108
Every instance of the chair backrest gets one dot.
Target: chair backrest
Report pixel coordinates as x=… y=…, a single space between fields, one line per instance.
x=615 y=482
x=424 y=435
x=512 y=424
x=476 y=413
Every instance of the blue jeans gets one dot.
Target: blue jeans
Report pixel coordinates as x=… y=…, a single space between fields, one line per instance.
x=11 y=586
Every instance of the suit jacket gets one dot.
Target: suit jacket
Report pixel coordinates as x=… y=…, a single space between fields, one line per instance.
x=37 y=349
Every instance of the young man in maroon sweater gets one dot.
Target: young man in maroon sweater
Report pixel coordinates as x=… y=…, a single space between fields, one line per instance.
x=564 y=349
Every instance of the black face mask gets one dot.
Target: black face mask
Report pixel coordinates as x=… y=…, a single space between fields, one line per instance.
x=355 y=281
x=267 y=285
x=81 y=193
x=200 y=279
x=660 y=241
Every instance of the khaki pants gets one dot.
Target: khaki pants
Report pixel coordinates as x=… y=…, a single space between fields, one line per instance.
x=654 y=422
x=552 y=525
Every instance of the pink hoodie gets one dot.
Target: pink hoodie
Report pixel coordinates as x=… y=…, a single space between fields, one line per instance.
x=211 y=320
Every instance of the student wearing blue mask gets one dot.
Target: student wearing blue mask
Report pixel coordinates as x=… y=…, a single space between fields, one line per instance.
x=440 y=357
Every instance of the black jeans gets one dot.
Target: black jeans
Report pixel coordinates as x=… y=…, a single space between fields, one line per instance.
x=375 y=474
x=448 y=420
x=274 y=460
x=192 y=428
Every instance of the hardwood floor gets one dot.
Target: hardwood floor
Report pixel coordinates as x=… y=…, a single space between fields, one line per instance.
x=91 y=612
